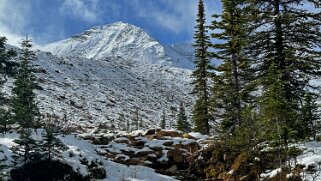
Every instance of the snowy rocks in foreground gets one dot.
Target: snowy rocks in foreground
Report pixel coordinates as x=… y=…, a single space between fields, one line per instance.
x=166 y=151
x=80 y=155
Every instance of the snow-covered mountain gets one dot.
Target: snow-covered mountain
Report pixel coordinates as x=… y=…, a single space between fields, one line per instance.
x=185 y=50
x=92 y=86
x=122 y=40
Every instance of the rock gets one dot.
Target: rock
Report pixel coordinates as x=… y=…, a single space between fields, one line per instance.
x=176 y=155
x=170 y=133
x=168 y=143
x=157 y=148
x=138 y=141
x=122 y=140
x=178 y=159
x=102 y=140
x=174 y=152
x=144 y=152
x=172 y=169
x=152 y=131
x=122 y=158
x=190 y=146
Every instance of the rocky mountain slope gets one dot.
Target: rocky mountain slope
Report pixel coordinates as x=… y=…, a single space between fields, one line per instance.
x=110 y=92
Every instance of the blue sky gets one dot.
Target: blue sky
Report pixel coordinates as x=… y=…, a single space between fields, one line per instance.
x=169 y=21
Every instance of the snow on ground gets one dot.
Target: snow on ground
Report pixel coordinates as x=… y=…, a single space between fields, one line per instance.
x=310 y=159
x=79 y=150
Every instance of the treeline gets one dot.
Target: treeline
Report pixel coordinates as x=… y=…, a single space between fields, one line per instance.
x=265 y=86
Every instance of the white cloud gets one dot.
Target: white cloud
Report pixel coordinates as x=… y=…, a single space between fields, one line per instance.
x=176 y=15
x=86 y=10
x=13 y=20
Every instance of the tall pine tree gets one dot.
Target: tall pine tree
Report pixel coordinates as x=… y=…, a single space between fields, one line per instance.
x=285 y=41
x=25 y=111
x=232 y=82
x=201 y=74
x=7 y=68
x=24 y=106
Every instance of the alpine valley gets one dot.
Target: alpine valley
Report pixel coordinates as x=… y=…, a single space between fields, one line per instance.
x=113 y=73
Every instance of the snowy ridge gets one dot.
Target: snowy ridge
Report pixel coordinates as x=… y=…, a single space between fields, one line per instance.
x=120 y=40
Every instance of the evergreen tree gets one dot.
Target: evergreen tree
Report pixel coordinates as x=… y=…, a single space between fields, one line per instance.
x=51 y=145
x=285 y=41
x=24 y=106
x=274 y=109
x=232 y=82
x=5 y=120
x=182 y=124
x=7 y=68
x=26 y=144
x=127 y=125
x=163 y=121
x=112 y=126
x=310 y=117
x=141 y=123
x=201 y=74
x=25 y=111
x=121 y=122
x=136 y=118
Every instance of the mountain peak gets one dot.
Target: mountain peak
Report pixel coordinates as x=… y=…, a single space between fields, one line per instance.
x=119 y=24
x=117 y=39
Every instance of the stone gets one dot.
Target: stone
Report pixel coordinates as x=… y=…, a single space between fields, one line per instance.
x=170 y=133
x=172 y=169
x=122 y=140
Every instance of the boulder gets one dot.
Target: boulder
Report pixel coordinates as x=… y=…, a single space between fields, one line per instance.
x=122 y=140
x=176 y=155
x=152 y=131
x=144 y=152
x=171 y=170
x=170 y=133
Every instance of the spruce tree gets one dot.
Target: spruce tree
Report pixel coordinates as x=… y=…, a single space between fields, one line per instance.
x=7 y=66
x=232 y=80
x=127 y=126
x=26 y=145
x=182 y=124
x=163 y=120
x=201 y=74
x=5 y=120
x=310 y=117
x=136 y=118
x=7 y=69
x=51 y=146
x=285 y=41
x=25 y=111
x=24 y=106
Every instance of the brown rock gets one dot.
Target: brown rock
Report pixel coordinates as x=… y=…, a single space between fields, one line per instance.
x=152 y=131
x=178 y=159
x=170 y=133
x=174 y=152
